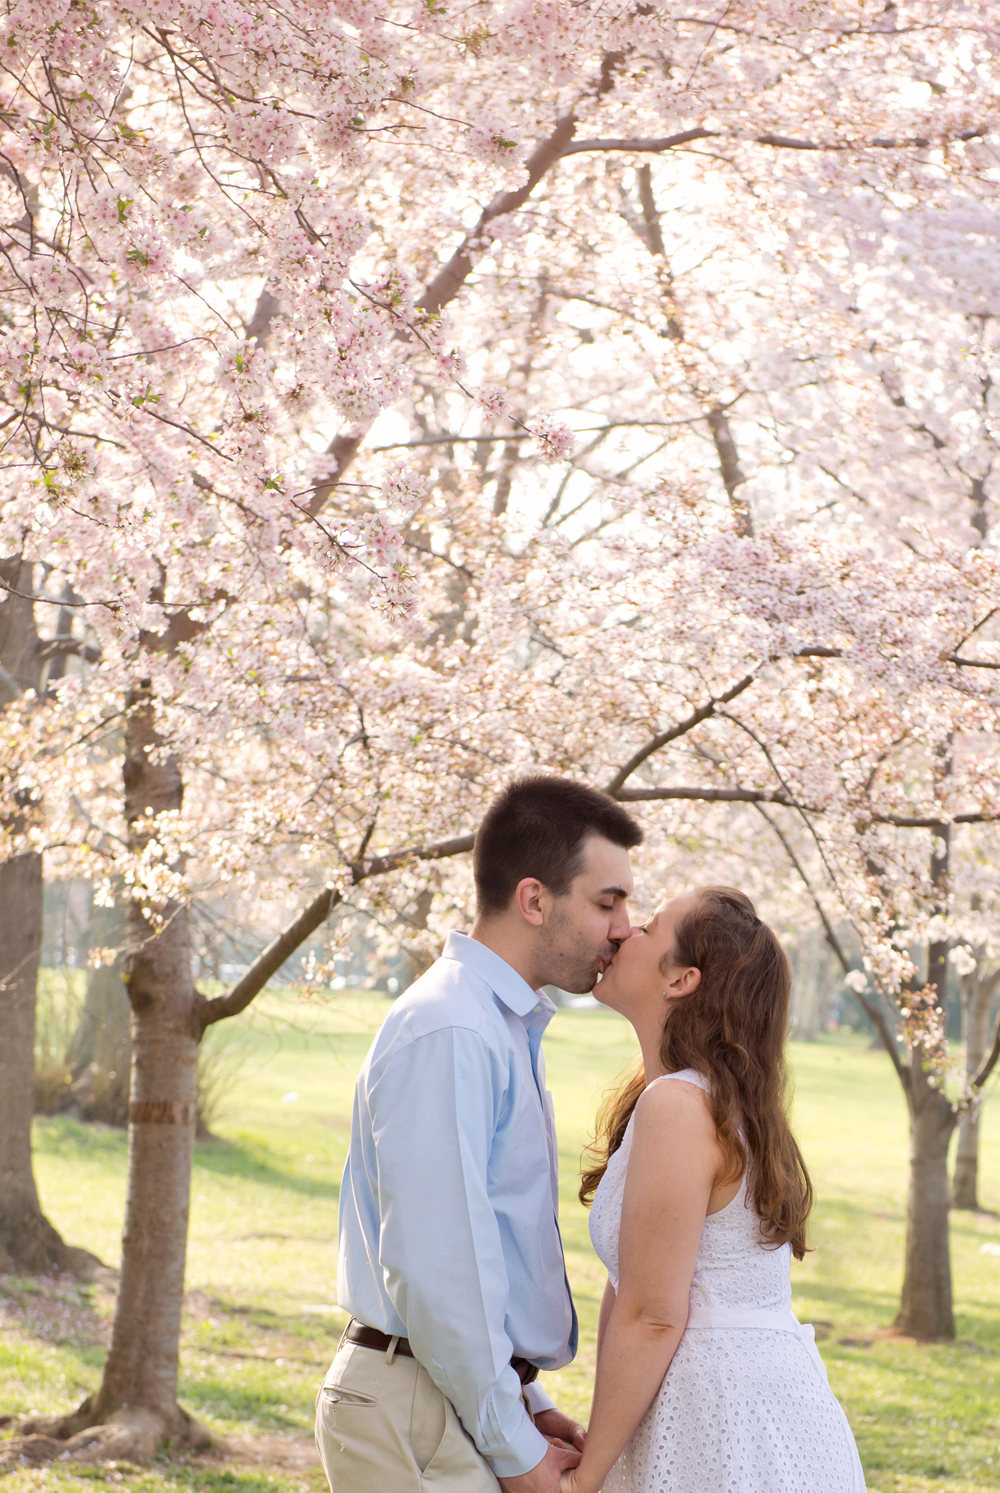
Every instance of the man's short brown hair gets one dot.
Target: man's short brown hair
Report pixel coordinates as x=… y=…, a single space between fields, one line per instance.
x=537 y=826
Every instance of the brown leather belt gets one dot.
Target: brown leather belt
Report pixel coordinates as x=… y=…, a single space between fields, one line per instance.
x=370 y=1337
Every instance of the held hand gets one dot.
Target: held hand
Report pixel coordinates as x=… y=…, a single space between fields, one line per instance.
x=545 y=1477
x=555 y=1425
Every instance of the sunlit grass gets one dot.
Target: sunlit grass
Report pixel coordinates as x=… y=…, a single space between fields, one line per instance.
x=261 y=1324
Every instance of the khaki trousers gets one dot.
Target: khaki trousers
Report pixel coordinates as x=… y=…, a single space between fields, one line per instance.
x=386 y=1428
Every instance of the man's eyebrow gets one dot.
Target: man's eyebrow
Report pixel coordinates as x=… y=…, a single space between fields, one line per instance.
x=614 y=891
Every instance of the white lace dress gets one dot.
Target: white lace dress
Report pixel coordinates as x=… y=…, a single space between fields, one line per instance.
x=745 y=1406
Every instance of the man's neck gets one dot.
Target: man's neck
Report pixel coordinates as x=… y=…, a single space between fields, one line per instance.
x=498 y=936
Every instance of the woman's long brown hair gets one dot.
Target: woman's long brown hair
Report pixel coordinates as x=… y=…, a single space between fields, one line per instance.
x=731 y=1029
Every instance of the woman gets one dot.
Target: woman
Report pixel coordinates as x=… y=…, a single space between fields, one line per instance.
x=706 y=1383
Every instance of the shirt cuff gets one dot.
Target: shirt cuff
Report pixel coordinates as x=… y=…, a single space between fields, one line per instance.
x=522 y=1453
x=537 y=1399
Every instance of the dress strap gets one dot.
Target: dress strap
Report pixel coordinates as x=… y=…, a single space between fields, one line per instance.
x=689 y=1075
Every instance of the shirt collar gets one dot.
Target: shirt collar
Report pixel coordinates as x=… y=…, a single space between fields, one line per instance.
x=505 y=982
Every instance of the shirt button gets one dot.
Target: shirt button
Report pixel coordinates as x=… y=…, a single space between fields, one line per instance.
x=538 y=1008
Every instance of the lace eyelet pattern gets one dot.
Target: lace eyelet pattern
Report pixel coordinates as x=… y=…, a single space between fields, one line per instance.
x=740 y=1410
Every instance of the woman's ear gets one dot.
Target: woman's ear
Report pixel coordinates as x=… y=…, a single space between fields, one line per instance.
x=682 y=981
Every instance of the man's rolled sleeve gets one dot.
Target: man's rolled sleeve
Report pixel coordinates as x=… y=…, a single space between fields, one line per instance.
x=433 y=1117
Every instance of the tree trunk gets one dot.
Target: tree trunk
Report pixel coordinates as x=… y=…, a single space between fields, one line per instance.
x=926 y=1307
x=978 y=994
x=925 y=1310
x=141 y=1370
x=28 y=1242
x=101 y=1052
x=136 y=1404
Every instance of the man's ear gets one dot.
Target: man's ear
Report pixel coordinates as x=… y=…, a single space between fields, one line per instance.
x=528 y=899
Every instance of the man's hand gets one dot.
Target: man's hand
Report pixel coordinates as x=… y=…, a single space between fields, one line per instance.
x=545 y=1477
x=556 y=1425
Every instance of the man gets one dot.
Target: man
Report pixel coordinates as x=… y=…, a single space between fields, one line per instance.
x=451 y=1262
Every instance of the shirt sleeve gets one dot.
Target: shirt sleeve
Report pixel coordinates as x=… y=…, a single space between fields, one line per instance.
x=434 y=1108
x=538 y=1398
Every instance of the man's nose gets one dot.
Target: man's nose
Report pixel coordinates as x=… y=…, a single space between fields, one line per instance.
x=621 y=927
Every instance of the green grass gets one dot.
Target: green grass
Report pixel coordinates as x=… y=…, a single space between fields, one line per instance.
x=261 y=1325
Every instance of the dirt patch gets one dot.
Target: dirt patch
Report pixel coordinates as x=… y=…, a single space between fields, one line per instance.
x=57 y=1309
x=290 y=1452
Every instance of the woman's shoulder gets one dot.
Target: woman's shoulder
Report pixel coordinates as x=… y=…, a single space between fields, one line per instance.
x=672 y=1095
x=686 y=1075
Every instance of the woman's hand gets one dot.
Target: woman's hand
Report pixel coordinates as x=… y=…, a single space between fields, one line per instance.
x=571 y=1482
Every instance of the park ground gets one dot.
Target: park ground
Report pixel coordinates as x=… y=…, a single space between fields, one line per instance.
x=261 y=1322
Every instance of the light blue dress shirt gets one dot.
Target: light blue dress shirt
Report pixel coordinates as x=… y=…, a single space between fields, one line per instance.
x=449 y=1233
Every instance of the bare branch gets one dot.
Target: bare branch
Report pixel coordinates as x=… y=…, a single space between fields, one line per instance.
x=452 y=276
x=315 y=915
x=380 y=864
x=701 y=714
x=989 y=1062
x=703 y=795
x=872 y=1012
x=729 y=465
x=70 y=648
x=269 y=962
x=660 y=143
x=972 y=663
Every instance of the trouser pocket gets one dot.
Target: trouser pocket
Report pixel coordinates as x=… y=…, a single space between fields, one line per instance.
x=428 y=1419
x=336 y=1394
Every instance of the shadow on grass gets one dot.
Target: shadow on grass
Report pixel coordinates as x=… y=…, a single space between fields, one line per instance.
x=251 y=1162
x=67 y=1138
x=61 y=1135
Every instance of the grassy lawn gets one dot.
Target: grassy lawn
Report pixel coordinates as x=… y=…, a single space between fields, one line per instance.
x=261 y=1324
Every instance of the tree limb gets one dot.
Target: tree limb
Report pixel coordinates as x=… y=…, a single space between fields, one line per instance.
x=315 y=915
x=69 y=647
x=657 y=144
x=655 y=743
x=972 y=663
x=449 y=280
x=703 y=795
x=873 y=1013
x=729 y=465
x=772 y=796
x=989 y=1062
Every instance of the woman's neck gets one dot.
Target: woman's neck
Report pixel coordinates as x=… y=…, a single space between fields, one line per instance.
x=649 y=1045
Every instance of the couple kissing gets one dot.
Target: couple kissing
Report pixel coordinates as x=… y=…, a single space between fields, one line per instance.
x=451 y=1262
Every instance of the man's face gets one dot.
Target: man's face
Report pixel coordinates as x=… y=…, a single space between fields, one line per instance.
x=582 y=930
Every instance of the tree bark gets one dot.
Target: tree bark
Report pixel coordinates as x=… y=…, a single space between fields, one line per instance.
x=136 y=1405
x=141 y=1370
x=28 y=1242
x=977 y=998
x=101 y=1052
x=926 y=1305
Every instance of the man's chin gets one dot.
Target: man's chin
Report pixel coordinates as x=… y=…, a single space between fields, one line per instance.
x=588 y=984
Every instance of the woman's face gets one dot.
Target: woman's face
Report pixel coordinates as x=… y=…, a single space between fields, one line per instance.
x=634 y=982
